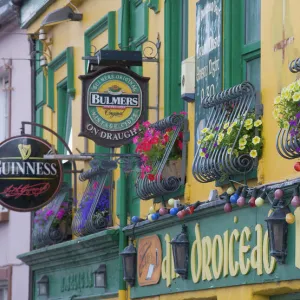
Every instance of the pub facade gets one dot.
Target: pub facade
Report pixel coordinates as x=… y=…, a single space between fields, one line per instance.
x=176 y=126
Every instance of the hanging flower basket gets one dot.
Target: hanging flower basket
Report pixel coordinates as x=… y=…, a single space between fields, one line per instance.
x=172 y=168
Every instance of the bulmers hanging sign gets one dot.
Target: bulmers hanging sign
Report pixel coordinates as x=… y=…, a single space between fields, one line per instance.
x=114 y=99
x=27 y=180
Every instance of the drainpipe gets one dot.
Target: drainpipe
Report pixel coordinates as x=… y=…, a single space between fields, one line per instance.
x=122 y=183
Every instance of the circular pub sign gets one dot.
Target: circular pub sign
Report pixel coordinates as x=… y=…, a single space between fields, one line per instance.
x=114 y=100
x=27 y=180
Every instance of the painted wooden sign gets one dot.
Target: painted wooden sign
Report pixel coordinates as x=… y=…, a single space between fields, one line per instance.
x=208 y=55
x=149 y=260
x=225 y=250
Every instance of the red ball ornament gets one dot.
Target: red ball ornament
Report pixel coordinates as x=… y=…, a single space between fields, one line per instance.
x=252 y=202
x=297 y=166
x=227 y=207
x=190 y=210
x=278 y=194
x=241 y=201
x=181 y=214
x=163 y=211
x=295 y=201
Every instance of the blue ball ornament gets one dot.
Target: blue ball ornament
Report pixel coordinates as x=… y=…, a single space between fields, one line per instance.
x=174 y=211
x=234 y=198
x=154 y=217
x=135 y=219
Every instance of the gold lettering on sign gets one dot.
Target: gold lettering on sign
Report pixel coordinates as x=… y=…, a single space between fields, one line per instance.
x=212 y=256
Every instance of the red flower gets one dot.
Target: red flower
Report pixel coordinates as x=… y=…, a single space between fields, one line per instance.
x=180 y=135
x=179 y=143
x=166 y=138
x=151 y=177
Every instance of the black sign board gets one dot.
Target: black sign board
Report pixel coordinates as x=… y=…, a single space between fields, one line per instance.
x=27 y=180
x=114 y=99
x=208 y=56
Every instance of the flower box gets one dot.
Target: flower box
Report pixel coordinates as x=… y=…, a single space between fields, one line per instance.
x=172 y=168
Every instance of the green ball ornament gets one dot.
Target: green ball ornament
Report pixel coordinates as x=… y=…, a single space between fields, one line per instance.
x=171 y=201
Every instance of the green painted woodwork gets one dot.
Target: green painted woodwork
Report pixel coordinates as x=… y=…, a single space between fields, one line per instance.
x=32 y=9
x=213 y=221
x=70 y=265
x=39 y=117
x=40 y=88
x=108 y=22
x=154 y=4
x=119 y=27
x=172 y=70
x=63 y=129
x=66 y=57
x=139 y=23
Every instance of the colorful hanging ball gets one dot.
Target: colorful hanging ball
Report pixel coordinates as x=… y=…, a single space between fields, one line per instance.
x=227 y=207
x=150 y=218
x=174 y=211
x=252 y=202
x=241 y=201
x=154 y=216
x=151 y=210
x=259 y=202
x=295 y=201
x=181 y=214
x=297 y=166
x=290 y=218
x=171 y=201
x=135 y=219
x=189 y=210
x=163 y=211
x=234 y=198
x=230 y=190
x=278 y=194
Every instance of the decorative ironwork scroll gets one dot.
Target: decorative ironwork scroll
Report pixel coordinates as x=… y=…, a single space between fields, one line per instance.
x=160 y=186
x=48 y=230
x=221 y=108
x=288 y=145
x=92 y=214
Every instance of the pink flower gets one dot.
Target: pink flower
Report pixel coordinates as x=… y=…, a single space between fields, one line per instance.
x=146 y=169
x=183 y=113
x=135 y=139
x=144 y=158
x=49 y=213
x=146 y=124
x=60 y=214
x=137 y=126
x=180 y=144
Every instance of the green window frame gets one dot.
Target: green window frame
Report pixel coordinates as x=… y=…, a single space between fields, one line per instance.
x=238 y=54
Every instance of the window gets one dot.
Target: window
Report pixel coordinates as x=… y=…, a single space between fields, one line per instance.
x=3 y=290
x=242 y=41
x=4 y=109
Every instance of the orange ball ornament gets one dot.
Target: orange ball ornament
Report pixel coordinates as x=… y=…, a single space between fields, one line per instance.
x=290 y=218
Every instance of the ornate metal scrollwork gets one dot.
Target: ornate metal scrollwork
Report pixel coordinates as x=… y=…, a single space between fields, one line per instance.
x=287 y=145
x=49 y=233
x=147 y=189
x=224 y=107
x=92 y=215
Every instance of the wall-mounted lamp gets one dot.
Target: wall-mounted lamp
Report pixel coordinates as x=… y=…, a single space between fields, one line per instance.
x=62 y=15
x=42 y=35
x=100 y=277
x=43 y=286
x=129 y=264
x=43 y=61
x=180 y=249
x=278 y=231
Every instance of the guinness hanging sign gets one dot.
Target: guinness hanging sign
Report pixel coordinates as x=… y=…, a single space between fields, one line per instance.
x=27 y=180
x=114 y=99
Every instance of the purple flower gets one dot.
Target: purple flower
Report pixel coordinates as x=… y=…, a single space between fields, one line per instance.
x=49 y=213
x=204 y=150
x=293 y=122
x=298 y=115
x=217 y=128
x=60 y=214
x=293 y=132
x=298 y=149
x=215 y=144
x=206 y=155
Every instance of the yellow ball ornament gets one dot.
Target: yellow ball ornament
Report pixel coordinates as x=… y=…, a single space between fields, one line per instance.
x=171 y=201
x=230 y=191
x=150 y=218
x=290 y=218
x=151 y=210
